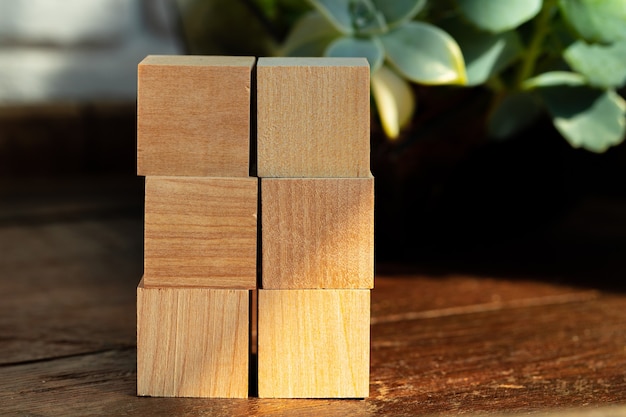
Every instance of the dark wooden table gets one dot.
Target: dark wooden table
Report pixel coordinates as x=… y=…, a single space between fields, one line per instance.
x=526 y=328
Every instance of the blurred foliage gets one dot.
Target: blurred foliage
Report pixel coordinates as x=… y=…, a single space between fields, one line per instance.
x=399 y=48
x=564 y=58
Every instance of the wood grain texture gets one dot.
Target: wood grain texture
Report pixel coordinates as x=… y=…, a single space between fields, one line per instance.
x=67 y=287
x=313 y=343
x=317 y=233
x=539 y=357
x=541 y=332
x=192 y=342
x=313 y=117
x=200 y=232
x=193 y=116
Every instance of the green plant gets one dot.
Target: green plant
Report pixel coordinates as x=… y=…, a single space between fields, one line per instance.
x=567 y=57
x=398 y=48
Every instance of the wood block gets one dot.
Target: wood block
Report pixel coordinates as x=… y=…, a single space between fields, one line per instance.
x=313 y=117
x=314 y=343
x=193 y=116
x=317 y=233
x=192 y=342
x=201 y=232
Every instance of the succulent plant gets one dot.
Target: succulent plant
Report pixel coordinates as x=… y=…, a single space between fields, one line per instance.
x=398 y=48
x=566 y=57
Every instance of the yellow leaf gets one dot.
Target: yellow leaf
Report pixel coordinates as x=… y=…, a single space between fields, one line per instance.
x=394 y=100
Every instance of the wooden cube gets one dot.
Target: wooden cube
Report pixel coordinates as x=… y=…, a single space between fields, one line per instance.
x=313 y=117
x=192 y=342
x=313 y=343
x=200 y=232
x=317 y=233
x=193 y=116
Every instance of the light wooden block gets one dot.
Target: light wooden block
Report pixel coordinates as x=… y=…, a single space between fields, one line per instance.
x=317 y=233
x=313 y=117
x=192 y=342
x=314 y=343
x=201 y=232
x=193 y=116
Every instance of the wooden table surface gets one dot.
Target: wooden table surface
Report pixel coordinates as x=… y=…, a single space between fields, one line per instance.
x=542 y=331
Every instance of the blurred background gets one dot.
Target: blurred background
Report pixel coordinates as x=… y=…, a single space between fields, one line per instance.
x=482 y=164
x=68 y=79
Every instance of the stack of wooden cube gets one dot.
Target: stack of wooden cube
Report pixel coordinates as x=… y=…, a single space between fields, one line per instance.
x=311 y=254
x=200 y=240
x=317 y=239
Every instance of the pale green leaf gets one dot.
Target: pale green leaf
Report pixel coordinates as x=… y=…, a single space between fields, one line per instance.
x=337 y=12
x=499 y=15
x=394 y=100
x=596 y=20
x=554 y=78
x=604 y=66
x=515 y=112
x=358 y=47
x=310 y=36
x=397 y=12
x=353 y=17
x=485 y=54
x=587 y=118
x=425 y=54
x=366 y=18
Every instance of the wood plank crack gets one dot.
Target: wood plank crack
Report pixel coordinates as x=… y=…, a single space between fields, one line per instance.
x=69 y=356
x=575 y=297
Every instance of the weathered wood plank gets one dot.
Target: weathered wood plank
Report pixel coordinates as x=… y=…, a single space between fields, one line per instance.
x=104 y=384
x=524 y=359
x=514 y=360
x=67 y=288
x=442 y=343
x=422 y=295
